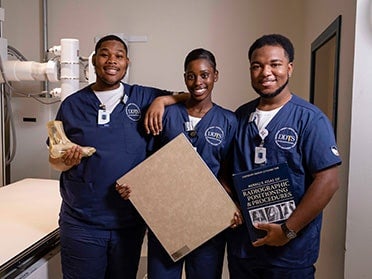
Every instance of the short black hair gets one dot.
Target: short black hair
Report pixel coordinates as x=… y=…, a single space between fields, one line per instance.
x=273 y=40
x=110 y=38
x=200 y=53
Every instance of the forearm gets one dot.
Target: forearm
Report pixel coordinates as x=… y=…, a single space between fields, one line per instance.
x=315 y=199
x=176 y=97
x=313 y=202
x=154 y=115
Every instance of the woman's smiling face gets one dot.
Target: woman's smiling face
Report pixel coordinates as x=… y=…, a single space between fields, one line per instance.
x=200 y=77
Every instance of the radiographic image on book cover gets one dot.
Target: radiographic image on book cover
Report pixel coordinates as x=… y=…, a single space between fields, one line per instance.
x=273 y=213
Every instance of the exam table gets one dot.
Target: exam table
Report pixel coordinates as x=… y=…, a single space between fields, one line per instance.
x=29 y=234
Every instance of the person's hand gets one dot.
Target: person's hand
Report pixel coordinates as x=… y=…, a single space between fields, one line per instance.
x=154 y=117
x=72 y=156
x=237 y=220
x=274 y=236
x=123 y=190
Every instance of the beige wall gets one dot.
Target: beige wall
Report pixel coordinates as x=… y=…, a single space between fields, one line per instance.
x=319 y=15
x=227 y=28
x=173 y=28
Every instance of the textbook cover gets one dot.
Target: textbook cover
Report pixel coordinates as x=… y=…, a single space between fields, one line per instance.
x=265 y=196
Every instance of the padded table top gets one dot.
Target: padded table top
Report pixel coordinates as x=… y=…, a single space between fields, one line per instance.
x=29 y=211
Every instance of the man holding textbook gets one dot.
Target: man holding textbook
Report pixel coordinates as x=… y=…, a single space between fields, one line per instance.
x=279 y=128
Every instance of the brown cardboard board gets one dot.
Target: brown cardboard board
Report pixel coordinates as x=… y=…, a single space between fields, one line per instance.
x=179 y=197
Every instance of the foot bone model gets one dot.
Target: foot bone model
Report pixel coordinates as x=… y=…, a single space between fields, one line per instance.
x=59 y=143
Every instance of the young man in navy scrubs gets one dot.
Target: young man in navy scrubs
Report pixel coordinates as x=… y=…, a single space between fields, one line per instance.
x=102 y=234
x=279 y=127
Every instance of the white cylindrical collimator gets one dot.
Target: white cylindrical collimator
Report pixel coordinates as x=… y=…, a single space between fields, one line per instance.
x=69 y=67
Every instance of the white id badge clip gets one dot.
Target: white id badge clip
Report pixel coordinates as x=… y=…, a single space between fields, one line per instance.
x=260 y=151
x=260 y=155
x=103 y=117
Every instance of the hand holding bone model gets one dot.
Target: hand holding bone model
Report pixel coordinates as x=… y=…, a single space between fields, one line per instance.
x=59 y=143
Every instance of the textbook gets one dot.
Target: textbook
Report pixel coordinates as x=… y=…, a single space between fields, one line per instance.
x=265 y=196
x=179 y=198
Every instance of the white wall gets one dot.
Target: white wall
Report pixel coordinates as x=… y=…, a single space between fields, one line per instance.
x=359 y=227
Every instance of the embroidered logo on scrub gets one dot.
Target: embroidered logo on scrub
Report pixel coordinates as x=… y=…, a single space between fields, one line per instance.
x=335 y=151
x=214 y=135
x=133 y=112
x=286 y=138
